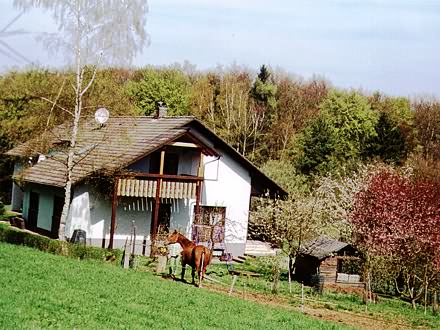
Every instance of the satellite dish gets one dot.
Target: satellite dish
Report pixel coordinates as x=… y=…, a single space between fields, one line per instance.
x=102 y=115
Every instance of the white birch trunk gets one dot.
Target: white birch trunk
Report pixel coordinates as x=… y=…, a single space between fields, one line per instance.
x=77 y=116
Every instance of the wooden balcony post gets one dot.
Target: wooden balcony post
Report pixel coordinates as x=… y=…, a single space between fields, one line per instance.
x=157 y=205
x=199 y=189
x=114 y=208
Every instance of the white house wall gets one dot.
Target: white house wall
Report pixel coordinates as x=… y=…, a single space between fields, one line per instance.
x=228 y=184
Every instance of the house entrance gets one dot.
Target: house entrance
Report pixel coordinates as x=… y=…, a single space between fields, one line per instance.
x=34 y=201
x=163 y=223
x=58 y=203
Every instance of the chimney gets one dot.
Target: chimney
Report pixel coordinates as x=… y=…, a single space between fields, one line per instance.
x=161 y=110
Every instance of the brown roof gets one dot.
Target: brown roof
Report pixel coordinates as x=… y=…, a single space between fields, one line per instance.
x=323 y=247
x=121 y=141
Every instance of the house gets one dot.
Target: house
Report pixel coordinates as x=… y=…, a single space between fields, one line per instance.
x=328 y=262
x=152 y=173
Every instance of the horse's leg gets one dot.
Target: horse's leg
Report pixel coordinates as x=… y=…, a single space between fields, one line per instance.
x=183 y=271
x=193 y=273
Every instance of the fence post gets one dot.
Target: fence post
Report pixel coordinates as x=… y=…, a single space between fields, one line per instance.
x=302 y=297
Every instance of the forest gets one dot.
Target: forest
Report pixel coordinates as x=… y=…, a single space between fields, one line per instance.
x=359 y=166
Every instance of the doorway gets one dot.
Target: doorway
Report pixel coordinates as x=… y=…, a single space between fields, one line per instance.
x=58 y=203
x=34 y=201
x=163 y=222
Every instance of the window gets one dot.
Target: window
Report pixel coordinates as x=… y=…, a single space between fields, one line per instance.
x=171 y=163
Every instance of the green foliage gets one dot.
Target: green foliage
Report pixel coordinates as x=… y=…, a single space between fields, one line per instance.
x=15 y=236
x=65 y=293
x=161 y=85
x=2 y=208
x=263 y=91
x=395 y=135
x=284 y=173
x=341 y=134
x=389 y=143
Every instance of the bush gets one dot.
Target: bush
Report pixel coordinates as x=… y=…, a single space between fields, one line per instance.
x=15 y=236
x=2 y=208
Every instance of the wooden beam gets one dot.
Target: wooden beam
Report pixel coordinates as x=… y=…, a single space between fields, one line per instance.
x=162 y=162
x=198 y=193
x=183 y=144
x=198 y=189
x=114 y=208
x=157 y=205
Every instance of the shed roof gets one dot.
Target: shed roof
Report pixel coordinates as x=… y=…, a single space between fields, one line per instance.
x=323 y=247
x=120 y=142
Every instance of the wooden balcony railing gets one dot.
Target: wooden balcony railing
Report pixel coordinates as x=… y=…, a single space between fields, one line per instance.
x=171 y=186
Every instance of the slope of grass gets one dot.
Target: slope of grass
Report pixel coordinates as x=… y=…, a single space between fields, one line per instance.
x=40 y=290
x=389 y=309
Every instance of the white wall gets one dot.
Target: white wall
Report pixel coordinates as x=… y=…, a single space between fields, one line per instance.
x=228 y=184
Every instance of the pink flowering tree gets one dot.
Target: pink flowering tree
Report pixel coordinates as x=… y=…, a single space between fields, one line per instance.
x=398 y=219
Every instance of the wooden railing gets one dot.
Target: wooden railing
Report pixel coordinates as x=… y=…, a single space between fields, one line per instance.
x=170 y=186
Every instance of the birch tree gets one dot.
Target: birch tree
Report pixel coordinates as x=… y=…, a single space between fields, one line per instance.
x=90 y=33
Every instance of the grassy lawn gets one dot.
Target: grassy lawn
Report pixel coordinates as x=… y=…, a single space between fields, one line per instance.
x=392 y=310
x=40 y=290
x=8 y=213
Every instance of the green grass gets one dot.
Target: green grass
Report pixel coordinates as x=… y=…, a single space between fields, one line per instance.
x=390 y=309
x=8 y=213
x=41 y=290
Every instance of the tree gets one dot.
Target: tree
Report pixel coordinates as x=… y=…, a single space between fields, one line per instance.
x=297 y=104
x=398 y=218
x=167 y=85
x=395 y=135
x=341 y=133
x=287 y=223
x=92 y=29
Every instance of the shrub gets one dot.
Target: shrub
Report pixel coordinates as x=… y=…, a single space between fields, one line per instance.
x=15 y=236
x=2 y=208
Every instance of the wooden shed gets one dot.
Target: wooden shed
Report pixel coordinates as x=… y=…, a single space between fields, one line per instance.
x=328 y=262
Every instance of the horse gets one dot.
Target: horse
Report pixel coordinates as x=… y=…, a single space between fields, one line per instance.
x=197 y=256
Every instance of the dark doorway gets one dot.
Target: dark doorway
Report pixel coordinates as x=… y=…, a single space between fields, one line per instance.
x=163 y=222
x=58 y=203
x=34 y=202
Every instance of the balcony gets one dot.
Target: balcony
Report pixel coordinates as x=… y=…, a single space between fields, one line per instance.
x=170 y=186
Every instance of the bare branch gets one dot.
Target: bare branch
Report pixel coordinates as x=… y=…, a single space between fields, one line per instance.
x=56 y=105
x=93 y=76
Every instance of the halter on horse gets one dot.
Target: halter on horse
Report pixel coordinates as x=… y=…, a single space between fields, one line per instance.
x=197 y=256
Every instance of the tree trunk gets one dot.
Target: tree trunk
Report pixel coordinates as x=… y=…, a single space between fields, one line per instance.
x=77 y=116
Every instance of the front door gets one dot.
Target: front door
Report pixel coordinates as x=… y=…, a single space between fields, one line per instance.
x=34 y=201
x=58 y=203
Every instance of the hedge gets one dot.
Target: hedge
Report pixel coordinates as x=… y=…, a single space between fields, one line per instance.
x=16 y=236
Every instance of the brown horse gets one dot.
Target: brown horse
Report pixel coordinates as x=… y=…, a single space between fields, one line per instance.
x=197 y=256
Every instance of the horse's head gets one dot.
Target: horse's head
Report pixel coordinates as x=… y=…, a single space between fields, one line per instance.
x=172 y=238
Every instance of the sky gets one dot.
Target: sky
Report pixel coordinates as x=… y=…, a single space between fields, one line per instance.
x=386 y=45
